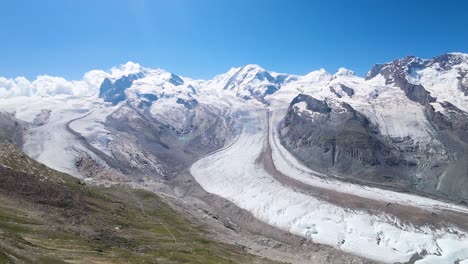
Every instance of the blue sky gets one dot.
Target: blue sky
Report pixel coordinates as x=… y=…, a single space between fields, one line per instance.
x=202 y=38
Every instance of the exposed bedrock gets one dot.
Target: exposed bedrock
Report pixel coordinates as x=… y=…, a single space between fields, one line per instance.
x=463 y=82
x=169 y=142
x=452 y=131
x=395 y=73
x=114 y=92
x=333 y=138
x=11 y=129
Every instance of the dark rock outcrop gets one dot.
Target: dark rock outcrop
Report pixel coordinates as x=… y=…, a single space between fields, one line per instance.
x=146 y=100
x=338 y=139
x=452 y=128
x=347 y=90
x=114 y=92
x=171 y=141
x=11 y=129
x=333 y=138
x=176 y=80
x=463 y=82
x=150 y=97
x=189 y=103
x=396 y=72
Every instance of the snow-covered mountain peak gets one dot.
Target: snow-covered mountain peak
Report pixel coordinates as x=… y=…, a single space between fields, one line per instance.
x=161 y=76
x=252 y=68
x=317 y=76
x=453 y=57
x=449 y=61
x=343 y=72
x=398 y=66
x=442 y=78
x=249 y=82
x=247 y=75
x=151 y=84
x=410 y=64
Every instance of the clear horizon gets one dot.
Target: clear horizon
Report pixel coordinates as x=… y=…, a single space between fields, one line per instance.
x=205 y=38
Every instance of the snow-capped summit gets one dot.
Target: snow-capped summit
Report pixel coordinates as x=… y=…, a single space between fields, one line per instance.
x=404 y=127
x=254 y=81
x=162 y=84
x=343 y=72
x=318 y=76
x=442 y=78
x=250 y=82
x=411 y=64
x=314 y=82
x=449 y=60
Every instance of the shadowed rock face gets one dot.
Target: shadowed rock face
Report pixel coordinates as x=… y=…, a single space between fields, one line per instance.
x=445 y=61
x=332 y=137
x=11 y=129
x=114 y=92
x=463 y=82
x=152 y=146
x=191 y=103
x=146 y=100
x=414 y=92
x=150 y=97
x=347 y=90
x=452 y=128
x=176 y=80
x=395 y=73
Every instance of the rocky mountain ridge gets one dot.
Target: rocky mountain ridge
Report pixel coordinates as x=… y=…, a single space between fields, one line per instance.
x=398 y=136
x=403 y=125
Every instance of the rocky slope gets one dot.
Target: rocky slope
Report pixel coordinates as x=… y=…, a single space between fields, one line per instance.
x=403 y=127
x=12 y=129
x=50 y=217
x=397 y=130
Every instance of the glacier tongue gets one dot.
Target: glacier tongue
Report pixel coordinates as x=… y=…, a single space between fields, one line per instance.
x=161 y=100
x=234 y=174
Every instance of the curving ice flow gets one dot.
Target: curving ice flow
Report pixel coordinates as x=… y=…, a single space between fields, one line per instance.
x=287 y=164
x=51 y=143
x=234 y=174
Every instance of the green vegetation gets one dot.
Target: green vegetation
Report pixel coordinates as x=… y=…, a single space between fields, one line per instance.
x=95 y=224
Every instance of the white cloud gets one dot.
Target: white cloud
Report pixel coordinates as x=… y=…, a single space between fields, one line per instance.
x=46 y=85
x=125 y=69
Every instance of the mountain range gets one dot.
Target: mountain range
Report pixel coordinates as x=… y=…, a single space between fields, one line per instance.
x=386 y=152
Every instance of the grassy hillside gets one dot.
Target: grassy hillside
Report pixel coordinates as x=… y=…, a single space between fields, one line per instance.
x=50 y=217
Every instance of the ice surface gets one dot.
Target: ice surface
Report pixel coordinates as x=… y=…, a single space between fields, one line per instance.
x=51 y=143
x=232 y=173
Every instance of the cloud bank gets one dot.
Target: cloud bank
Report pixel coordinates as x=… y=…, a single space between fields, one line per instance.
x=46 y=85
